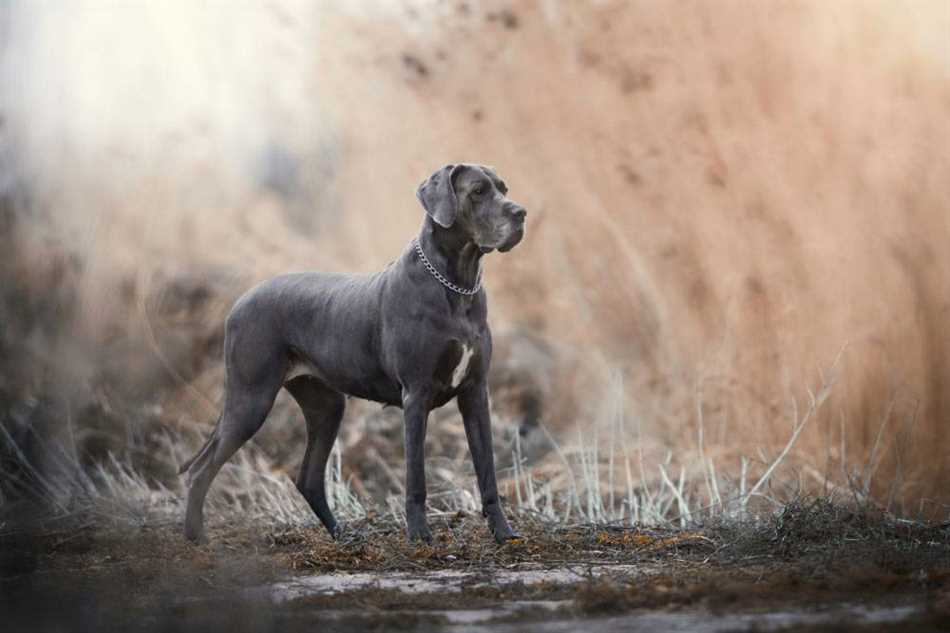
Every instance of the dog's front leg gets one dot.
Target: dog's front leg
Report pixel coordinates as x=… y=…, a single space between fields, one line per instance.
x=473 y=404
x=416 y=408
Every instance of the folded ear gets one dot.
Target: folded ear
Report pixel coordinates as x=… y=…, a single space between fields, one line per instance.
x=437 y=195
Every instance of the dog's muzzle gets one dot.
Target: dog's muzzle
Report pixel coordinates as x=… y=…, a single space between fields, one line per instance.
x=517 y=214
x=513 y=239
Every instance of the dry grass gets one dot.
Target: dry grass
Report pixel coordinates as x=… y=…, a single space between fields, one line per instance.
x=591 y=482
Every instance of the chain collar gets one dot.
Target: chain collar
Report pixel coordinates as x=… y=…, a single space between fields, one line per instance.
x=441 y=279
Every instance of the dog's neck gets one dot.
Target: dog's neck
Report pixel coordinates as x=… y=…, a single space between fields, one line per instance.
x=453 y=253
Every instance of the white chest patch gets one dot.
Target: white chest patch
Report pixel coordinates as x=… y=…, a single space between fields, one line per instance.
x=461 y=370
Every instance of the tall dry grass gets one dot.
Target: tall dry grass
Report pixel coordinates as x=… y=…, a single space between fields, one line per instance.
x=721 y=197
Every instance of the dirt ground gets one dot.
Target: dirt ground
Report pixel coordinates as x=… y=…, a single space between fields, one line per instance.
x=76 y=574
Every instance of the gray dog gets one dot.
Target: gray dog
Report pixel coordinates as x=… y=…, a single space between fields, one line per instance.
x=414 y=335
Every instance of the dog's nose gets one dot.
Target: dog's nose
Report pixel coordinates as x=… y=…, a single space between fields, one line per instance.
x=518 y=212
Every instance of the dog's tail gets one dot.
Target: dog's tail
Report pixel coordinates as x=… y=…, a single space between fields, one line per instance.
x=204 y=452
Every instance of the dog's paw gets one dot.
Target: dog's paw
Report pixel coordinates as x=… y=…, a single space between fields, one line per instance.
x=498 y=525
x=507 y=537
x=196 y=537
x=417 y=527
x=419 y=534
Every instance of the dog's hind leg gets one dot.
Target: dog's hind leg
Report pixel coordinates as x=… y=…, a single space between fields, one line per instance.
x=323 y=410
x=246 y=405
x=242 y=417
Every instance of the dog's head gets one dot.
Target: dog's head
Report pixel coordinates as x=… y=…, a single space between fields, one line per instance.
x=473 y=200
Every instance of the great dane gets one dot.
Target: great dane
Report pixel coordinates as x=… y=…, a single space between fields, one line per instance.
x=414 y=335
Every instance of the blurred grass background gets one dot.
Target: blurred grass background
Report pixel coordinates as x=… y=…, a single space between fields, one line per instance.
x=730 y=204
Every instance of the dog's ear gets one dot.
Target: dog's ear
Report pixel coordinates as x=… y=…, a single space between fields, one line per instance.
x=437 y=195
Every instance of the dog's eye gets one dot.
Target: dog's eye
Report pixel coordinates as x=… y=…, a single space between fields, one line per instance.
x=478 y=189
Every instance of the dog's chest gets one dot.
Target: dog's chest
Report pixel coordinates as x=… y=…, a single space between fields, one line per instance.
x=461 y=370
x=455 y=363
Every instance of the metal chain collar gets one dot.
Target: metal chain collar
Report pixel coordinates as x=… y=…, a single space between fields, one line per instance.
x=441 y=279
